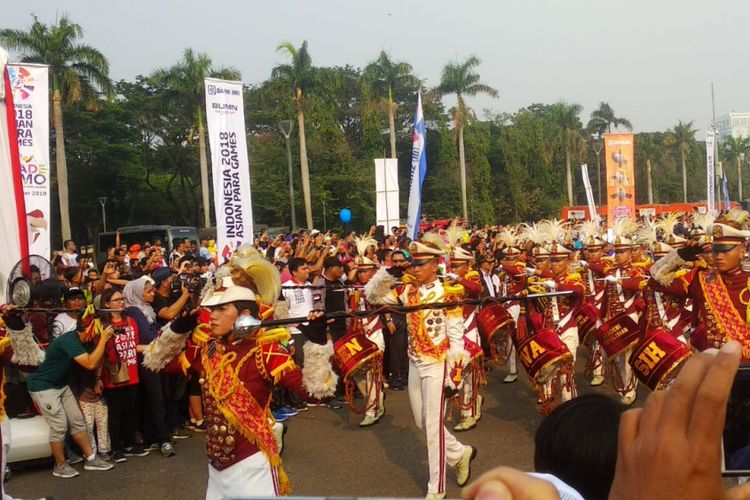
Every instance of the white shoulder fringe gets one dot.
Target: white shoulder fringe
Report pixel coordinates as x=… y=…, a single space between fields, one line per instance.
x=318 y=376
x=164 y=349
x=26 y=351
x=663 y=269
x=379 y=287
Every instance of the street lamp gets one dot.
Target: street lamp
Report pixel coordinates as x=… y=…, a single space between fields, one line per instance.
x=286 y=129
x=739 y=173
x=597 y=146
x=103 y=202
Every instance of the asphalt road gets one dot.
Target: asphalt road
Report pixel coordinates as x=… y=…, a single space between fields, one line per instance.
x=326 y=453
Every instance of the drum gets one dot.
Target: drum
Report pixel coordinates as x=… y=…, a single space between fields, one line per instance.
x=618 y=334
x=352 y=353
x=542 y=354
x=657 y=358
x=586 y=317
x=494 y=323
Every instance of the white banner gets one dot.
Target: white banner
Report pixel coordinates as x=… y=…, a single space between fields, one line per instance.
x=710 y=171
x=589 y=192
x=225 y=117
x=386 y=193
x=30 y=86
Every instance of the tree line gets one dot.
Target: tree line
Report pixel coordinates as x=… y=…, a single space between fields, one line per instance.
x=142 y=143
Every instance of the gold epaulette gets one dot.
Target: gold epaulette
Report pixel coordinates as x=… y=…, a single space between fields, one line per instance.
x=520 y=263
x=472 y=275
x=408 y=278
x=201 y=334
x=642 y=264
x=273 y=335
x=453 y=292
x=608 y=259
x=680 y=273
x=573 y=277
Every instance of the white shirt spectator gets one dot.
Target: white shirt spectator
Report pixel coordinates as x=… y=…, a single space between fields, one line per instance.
x=300 y=300
x=62 y=323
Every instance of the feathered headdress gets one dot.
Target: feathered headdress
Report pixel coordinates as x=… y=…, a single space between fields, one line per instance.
x=667 y=222
x=363 y=243
x=533 y=233
x=554 y=231
x=736 y=218
x=249 y=269
x=624 y=229
x=591 y=228
x=702 y=222
x=454 y=235
x=434 y=239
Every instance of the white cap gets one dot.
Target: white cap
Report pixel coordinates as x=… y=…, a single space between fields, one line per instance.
x=227 y=293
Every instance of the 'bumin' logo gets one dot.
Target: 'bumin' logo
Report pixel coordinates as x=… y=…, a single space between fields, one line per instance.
x=224 y=108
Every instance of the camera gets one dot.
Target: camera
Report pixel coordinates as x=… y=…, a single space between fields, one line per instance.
x=194 y=282
x=118 y=330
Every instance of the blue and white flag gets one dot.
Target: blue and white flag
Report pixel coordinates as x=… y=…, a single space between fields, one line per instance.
x=418 y=172
x=725 y=189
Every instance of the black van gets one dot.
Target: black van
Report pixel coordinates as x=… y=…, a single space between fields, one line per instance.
x=132 y=235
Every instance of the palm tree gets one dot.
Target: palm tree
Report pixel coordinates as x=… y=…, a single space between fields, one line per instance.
x=566 y=117
x=460 y=78
x=301 y=77
x=603 y=118
x=184 y=87
x=384 y=76
x=735 y=148
x=78 y=72
x=682 y=137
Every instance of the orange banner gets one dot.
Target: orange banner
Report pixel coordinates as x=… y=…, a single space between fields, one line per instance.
x=620 y=160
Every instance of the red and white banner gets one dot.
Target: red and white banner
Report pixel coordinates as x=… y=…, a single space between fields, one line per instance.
x=225 y=117
x=30 y=88
x=14 y=242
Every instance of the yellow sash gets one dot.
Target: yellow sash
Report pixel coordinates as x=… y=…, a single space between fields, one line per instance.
x=723 y=317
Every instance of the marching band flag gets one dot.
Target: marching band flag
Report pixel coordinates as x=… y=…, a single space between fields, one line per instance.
x=418 y=171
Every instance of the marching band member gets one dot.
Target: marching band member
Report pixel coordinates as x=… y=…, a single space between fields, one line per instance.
x=370 y=384
x=594 y=265
x=238 y=366
x=721 y=295
x=624 y=283
x=469 y=397
x=512 y=283
x=435 y=348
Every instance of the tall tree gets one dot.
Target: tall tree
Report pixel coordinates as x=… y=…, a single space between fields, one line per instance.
x=460 y=78
x=682 y=138
x=567 y=118
x=386 y=77
x=184 y=85
x=78 y=72
x=603 y=118
x=301 y=77
x=735 y=149
x=649 y=147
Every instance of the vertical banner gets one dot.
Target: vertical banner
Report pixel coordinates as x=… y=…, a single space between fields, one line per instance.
x=710 y=171
x=418 y=172
x=386 y=193
x=620 y=163
x=230 y=169
x=30 y=87
x=589 y=192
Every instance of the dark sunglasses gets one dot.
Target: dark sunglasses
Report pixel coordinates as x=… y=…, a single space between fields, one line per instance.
x=557 y=260
x=622 y=250
x=542 y=259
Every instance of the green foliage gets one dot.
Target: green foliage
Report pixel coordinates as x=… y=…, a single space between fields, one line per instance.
x=140 y=148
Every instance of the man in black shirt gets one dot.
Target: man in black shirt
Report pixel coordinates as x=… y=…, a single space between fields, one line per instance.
x=332 y=297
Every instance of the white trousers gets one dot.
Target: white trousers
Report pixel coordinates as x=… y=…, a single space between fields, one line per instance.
x=427 y=400
x=365 y=384
x=625 y=372
x=570 y=338
x=515 y=312
x=249 y=478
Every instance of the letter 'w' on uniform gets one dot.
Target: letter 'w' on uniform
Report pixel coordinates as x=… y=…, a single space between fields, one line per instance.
x=418 y=171
x=230 y=169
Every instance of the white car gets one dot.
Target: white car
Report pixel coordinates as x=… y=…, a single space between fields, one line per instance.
x=29 y=439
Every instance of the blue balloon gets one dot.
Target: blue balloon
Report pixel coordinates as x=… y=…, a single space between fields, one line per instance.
x=345 y=215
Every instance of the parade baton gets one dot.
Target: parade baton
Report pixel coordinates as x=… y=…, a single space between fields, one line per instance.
x=247 y=324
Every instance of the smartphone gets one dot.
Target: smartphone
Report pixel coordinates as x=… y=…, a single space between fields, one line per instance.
x=735 y=447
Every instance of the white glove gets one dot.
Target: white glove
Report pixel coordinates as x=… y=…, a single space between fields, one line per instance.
x=453 y=277
x=550 y=284
x=530 y=271
x=610 y=279
x=583 y=263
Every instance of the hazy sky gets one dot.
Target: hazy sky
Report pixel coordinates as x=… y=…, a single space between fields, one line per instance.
x=652 y=60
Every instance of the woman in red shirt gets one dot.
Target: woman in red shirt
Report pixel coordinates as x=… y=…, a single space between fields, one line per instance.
x=119 y=376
